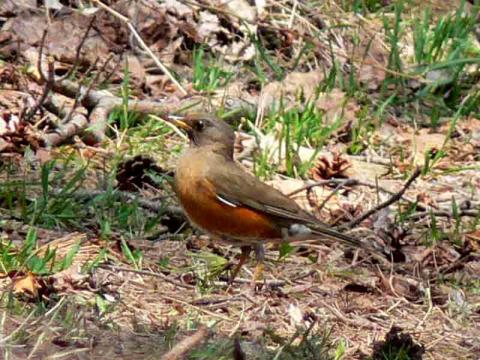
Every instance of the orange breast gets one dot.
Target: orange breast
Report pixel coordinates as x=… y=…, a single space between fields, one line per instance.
x=207 y=212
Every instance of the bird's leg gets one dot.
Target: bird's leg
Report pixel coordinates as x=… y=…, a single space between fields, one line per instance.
x=243 y=258
x=260 y=257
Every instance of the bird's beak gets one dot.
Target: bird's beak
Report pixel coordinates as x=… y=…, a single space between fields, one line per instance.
x=179 y=122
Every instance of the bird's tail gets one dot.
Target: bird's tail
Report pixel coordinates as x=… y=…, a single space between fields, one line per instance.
x=347 y=240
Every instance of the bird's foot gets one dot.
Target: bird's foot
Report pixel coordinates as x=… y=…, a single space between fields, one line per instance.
x=258 y=276
x=243 y=259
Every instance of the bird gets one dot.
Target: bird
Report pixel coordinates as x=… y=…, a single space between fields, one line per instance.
x=228 y=203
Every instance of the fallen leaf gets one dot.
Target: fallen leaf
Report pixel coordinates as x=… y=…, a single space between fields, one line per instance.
x=64 y=34
x=11 y=7
x=53 y=4
x=296 y=316
x=43 y=155
x=27 y=285
x=208 y=24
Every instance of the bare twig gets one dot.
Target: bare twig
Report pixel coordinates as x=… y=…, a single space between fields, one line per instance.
x=396 y=197
x=14 y=332
x=82 y=95
x=267 y=283
x=154 y=206
x=148 y=273
x=143 y=45
x=312 y=185
x=40 y=56
x=100 y=103
x=444 y=213
x=355 y=182
x=78 y=99
x=49 y=79
x=77 y=53
x=187 y=344
x=186 y=303
x=348 y=182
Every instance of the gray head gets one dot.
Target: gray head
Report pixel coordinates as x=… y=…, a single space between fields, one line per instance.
x=205 y=130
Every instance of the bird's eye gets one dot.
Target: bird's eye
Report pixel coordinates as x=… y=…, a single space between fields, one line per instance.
x=199 y=125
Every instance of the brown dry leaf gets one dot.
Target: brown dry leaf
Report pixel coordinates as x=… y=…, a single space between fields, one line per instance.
x=368 y=52
x=178 y=8
x=471 y=270
x=243 y=19
x=43 y=156
x=169 y=52
x=240 y=9
x=70 y=280
x=137 y=71
x=166 y=26
x=372 y=69
x=439 y=8
x=360 y=302
x=474 y=238
x=161 y=24
x=418 y=142
x=424 y=142
x=9 y=75
x=470 y=129
x=64 y=34
x=208 y=24
x=289 y=88
x=158 y=85
x=10 y=8
x=11 y=101
x=365 y=170
x=441 y=254
x=372 y=73
x=26 y=285
x=335 y=104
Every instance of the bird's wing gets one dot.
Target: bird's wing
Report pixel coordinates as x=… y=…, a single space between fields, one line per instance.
x=238 y=187
x=235 y=187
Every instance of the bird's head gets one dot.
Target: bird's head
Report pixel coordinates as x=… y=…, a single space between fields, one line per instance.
x=206 y=130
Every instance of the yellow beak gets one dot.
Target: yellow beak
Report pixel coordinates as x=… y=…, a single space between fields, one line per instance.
x=179 y=123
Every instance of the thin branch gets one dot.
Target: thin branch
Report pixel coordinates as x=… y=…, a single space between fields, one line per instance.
x=49 y=84
x=187 y=344
x=312 y=185
x=355 y=182
x=446 y=214
x=154 y=206
x=40 y=55
x=396 y=197
x=81 y=95
x=147 y=273
x=143 y=44
x=79 y=49
x=348 y=182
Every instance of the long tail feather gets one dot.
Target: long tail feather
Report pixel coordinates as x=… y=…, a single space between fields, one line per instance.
x=348 y=240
